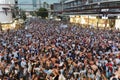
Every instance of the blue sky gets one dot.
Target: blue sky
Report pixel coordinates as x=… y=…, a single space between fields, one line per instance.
x=30 y=7
x=48 y=1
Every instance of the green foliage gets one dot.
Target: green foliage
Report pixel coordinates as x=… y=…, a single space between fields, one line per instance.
x=23 y=15
x=33 y=13
x=42 y=12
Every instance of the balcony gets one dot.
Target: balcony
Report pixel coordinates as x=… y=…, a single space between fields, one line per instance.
x=97 y=8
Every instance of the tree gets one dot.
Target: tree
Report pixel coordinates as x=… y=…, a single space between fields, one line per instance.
x=23 y=15
x=32 y=13
x=42 y=12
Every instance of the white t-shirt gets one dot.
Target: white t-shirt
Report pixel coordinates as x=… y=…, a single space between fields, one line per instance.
x=0 y=58
x=23 y=64
x=1 y=73
x=29 y=67
x=15 y=54
x=117 y=61
x=61 y=77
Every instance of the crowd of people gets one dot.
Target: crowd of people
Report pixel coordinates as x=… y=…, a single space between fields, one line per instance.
x=45 y=50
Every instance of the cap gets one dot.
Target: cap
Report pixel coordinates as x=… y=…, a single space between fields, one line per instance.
x=22 y=58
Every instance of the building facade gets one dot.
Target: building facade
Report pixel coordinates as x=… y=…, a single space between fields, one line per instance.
x=8 y=14
x=57 y=7
x=92 y=12
x=6 y=11
x=92 y=6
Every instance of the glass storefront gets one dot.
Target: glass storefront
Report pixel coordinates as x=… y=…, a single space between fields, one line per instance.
x=92 y=21
x=117 y=24
x=14 y=25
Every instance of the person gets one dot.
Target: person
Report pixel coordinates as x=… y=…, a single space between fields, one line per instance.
x=44 y=50
x=61 y=76
x=113 y=77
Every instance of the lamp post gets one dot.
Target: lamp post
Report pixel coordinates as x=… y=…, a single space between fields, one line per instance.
x=106 y=17
x=98 y=14
x=20 y=9
x=16 y=8
x=62 y=7
x=88 y=21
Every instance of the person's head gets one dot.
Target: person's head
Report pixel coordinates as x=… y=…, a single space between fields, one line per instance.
x=22 y=59
x=114 y=78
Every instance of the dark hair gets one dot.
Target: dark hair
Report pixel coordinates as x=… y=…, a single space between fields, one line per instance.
x=114 y=79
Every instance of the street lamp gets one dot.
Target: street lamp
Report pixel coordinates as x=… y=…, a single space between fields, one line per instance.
x=62 y=7
x=98 y=14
